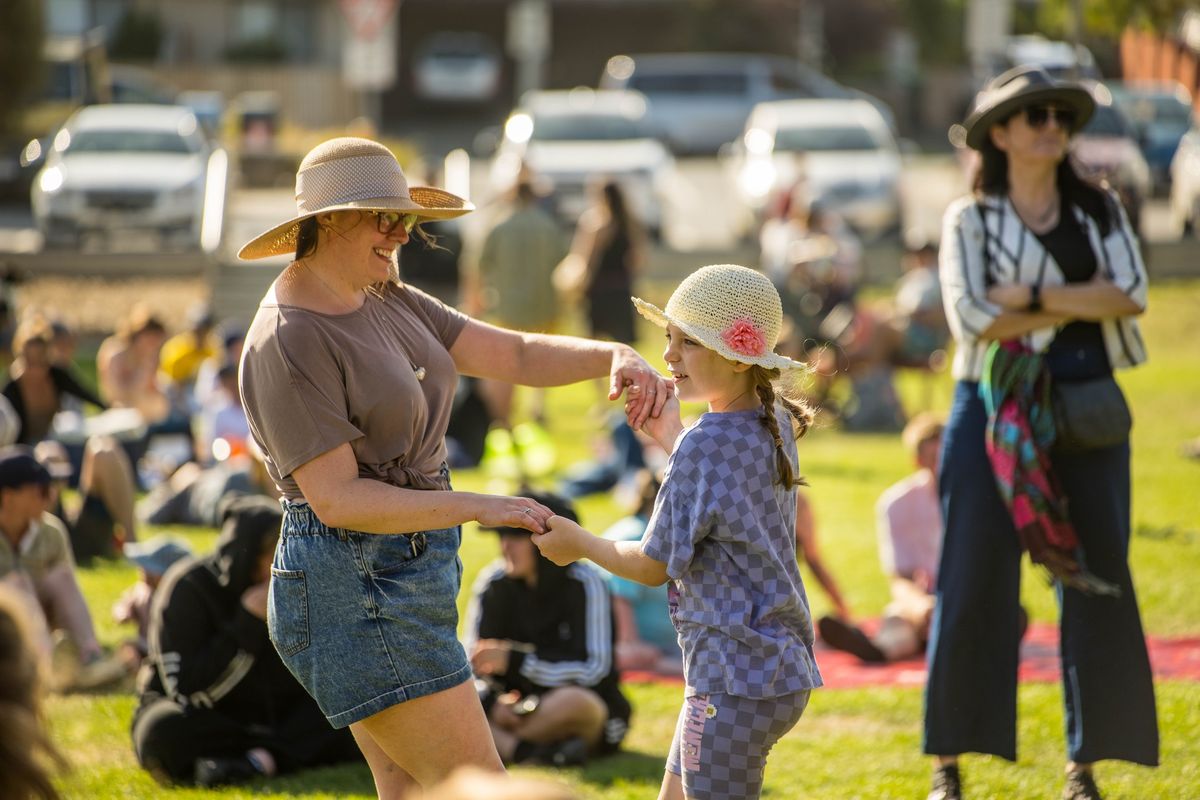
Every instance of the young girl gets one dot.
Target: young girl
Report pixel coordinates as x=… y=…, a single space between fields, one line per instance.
x=722 y=532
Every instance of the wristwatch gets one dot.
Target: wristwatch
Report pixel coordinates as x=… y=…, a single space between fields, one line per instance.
x=1035 y=298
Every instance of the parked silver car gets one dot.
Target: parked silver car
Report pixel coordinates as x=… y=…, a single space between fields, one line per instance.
x=700 y=101
x=125 y=170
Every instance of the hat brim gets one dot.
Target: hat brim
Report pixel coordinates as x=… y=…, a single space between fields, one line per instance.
x=712 y=339
x=1076 y=98
x=425 y=202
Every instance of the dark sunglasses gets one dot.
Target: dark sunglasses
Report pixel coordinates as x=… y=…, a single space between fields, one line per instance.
x=387 y=221
x=1038 y=116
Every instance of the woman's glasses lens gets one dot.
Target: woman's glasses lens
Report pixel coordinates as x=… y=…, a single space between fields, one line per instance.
x=388 y=220
x=1038 y=116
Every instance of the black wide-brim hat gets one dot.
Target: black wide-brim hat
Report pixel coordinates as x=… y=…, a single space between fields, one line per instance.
x=1022 y=86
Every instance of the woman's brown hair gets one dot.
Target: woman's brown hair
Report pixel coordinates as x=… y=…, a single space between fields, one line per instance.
x=25 y=749
x=802 y=418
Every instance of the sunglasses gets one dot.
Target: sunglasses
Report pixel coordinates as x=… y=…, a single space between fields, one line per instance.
x=1038 y=116
x=387 y=221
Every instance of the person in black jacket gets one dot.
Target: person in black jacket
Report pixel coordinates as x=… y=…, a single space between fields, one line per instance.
x=541 y=641
x=37 y=385
x=217 y=704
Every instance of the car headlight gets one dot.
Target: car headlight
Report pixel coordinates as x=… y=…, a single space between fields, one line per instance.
x=51 y=180
x=757 y=178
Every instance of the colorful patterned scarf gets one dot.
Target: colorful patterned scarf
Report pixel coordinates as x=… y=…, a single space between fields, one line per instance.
x=1015 y=389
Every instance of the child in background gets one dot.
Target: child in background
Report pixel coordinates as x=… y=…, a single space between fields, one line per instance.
x=153 y=558
x=723 y=534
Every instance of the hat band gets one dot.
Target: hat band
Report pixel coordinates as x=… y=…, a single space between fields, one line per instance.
x=347 y=180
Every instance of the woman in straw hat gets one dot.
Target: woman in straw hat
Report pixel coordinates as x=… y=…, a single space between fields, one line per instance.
x=723 y=533
x=347 y=377
x=1042 y=280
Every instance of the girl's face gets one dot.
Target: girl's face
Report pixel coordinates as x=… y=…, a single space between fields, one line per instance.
x=702 y=375
x=1044 y=139
x=355 y=241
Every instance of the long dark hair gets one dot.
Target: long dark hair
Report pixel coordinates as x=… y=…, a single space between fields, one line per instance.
x=991 y=177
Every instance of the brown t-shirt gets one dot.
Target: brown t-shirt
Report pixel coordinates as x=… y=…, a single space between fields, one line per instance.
x=312 y=381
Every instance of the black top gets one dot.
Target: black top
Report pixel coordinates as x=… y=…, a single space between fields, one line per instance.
x=64 y=383
x=1077 y=351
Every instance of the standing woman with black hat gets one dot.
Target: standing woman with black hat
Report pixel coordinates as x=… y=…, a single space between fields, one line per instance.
x=347 y=378
x=1042 y=280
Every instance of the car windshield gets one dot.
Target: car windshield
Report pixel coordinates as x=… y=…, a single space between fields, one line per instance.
x=709 y=83
x=805 y=140
x=129 y=141
x=1106 y=121
x=585 y=127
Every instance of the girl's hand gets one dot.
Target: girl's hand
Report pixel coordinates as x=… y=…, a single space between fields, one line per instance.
x=643 y=385
x=564 y=541
x=1010 y=296
x=663 y=428
x=512 y=512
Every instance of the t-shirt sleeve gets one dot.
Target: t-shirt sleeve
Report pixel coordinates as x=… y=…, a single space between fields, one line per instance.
x=294 y=391
x=445 y=322
x=682 y=517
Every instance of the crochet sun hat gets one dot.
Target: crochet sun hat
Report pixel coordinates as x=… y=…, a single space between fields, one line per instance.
x=349 y=173
x=732 y=310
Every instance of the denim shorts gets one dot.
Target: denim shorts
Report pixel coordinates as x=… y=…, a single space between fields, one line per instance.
x=365 y=620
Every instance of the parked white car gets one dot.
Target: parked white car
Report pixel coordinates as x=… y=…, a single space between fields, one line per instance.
x=570 y=138
x=457 y=67
x=129 y=168
x=842 y=149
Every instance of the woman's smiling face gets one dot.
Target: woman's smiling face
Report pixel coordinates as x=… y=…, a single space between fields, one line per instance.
x=361 y=248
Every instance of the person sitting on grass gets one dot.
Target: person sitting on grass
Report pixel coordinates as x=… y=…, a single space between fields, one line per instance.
x=35 y=557
x=909 y=521
x=153 y=558
x=541 y=642
x=217 y=704
x=101 y=525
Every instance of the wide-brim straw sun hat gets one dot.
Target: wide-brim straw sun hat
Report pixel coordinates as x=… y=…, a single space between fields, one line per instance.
x=1011 y=91
x=732 y=310
x=349 y=173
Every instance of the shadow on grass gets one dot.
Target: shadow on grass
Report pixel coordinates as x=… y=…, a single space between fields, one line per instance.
x=338 y=781
x=625 y=766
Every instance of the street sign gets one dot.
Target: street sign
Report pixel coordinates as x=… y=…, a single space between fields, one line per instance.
x=366 y=18
x=369 y=49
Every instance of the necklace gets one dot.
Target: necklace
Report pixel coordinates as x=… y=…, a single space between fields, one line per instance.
x=734 y=400
x=1044 y=220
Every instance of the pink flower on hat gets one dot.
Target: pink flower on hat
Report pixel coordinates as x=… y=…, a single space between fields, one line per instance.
x=743 y=338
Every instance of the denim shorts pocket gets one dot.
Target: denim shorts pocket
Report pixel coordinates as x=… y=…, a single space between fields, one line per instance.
x=288 y=611
x=387 y=554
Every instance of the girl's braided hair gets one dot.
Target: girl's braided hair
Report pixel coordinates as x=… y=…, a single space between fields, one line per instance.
x=802 y=418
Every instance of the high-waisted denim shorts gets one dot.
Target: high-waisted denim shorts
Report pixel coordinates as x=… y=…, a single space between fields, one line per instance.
x=365 y=620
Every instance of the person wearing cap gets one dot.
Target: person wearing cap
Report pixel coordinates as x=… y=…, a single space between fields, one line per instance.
x=35 y=555
x=347 y=378
x=1042 y=281
x=541 y=640
x=216 y=704
x=723 y=534
x=153 y=558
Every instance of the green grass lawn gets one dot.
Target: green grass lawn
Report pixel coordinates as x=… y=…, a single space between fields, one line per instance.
x=862 y=743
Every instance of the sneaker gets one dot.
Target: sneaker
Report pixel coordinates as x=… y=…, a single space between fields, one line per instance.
x=211 y=772
x=843 y=636
x=1080 y=786
x=571 y=752
x=946 y=784
x=99 y=673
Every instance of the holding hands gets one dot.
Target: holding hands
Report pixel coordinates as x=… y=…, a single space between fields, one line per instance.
x=512 y=512
x=646 y=390
x=564 y=541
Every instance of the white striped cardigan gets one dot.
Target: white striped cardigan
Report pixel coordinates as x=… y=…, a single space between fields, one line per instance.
x=984 y=242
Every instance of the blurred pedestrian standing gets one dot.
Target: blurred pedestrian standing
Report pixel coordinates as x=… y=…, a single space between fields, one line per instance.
x=1042 y=279
x=606 y=253
x=512 y=284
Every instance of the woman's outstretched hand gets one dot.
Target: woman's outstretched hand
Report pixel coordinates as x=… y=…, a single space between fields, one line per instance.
x=643 y=386
x=563 y=542
x=513 y=512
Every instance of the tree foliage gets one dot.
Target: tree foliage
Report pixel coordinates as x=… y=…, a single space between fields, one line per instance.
x=20 y=57
x=1111 y=17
